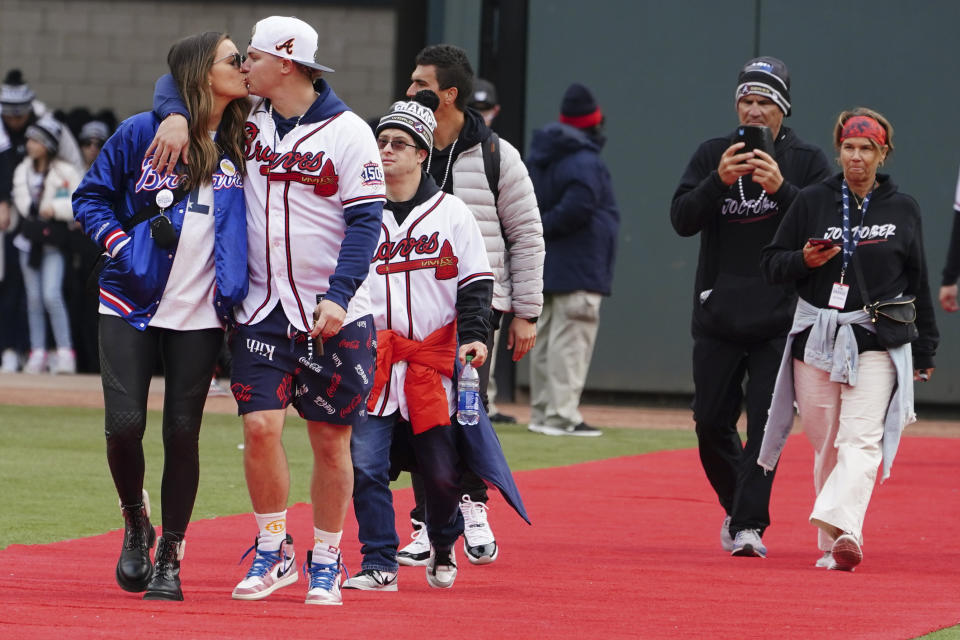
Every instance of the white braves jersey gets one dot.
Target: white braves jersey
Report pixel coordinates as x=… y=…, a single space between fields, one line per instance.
x=296 y=191
x=414 y=277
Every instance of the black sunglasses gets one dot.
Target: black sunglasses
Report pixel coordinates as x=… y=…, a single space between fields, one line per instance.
x=235 y=59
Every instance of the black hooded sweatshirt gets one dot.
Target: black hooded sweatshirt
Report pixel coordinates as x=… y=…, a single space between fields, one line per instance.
x=731 y=299
x=890 y=252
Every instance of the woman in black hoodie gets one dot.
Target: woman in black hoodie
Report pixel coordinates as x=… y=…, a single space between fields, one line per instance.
x=854 y=395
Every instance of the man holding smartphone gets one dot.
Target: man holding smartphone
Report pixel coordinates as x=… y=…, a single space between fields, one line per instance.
x=734 y=197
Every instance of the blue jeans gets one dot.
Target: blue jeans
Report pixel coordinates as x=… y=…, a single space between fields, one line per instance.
x=437 y=460
x=44 y=287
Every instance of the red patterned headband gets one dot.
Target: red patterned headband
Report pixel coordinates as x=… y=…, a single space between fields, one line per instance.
x=864 y=127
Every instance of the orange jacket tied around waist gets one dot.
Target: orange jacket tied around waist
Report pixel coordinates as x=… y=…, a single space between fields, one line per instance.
x=423 y=386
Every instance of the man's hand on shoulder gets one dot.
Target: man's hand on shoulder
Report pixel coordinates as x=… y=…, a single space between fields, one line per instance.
x=521 y=337
x=169 y=143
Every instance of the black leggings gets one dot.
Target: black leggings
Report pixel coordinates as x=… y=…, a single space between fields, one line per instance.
x=127 y=360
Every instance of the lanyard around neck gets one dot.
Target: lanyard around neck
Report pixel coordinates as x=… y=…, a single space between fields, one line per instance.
x=850 y=240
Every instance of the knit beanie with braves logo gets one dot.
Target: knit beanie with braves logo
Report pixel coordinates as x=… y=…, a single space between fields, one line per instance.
x=767 y=77
x=415 y=117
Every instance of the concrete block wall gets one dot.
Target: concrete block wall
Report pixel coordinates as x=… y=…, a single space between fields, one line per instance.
x=108 y=53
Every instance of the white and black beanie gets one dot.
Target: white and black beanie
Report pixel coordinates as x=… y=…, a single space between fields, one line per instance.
x=16 y=97
x=47 y=132
x=415 y=117
x=767 y=77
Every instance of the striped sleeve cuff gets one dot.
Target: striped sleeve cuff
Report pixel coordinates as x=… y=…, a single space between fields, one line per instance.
x=115 y=241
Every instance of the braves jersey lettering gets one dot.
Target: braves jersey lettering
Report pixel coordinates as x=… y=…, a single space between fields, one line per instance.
x=150 y=180
x=298 y=189
x=437 y=250
x=404 y=247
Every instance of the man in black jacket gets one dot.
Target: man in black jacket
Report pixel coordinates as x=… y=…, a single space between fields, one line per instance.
x=735 y=199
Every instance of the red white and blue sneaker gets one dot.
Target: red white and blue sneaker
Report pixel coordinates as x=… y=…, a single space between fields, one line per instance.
x=270 y=571
x=324 y=579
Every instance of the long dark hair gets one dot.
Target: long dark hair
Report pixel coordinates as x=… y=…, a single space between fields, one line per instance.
x=190 y=61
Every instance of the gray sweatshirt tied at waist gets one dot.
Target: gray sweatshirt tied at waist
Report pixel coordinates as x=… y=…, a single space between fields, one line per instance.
x=833 y=350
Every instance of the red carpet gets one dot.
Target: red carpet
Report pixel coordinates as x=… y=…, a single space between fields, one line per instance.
x=648 y=565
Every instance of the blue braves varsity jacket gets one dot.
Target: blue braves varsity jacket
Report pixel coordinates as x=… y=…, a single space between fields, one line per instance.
x=118 y=185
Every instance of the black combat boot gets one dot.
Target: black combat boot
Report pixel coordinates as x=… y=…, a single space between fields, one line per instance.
x=133 y=567
x=165 y=584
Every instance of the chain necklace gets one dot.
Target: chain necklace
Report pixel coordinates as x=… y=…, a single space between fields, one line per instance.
x=743 y=198
x=275 y=142
x=446 y=171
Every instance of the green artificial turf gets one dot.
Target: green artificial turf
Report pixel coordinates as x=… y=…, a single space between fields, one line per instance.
x=56 y=483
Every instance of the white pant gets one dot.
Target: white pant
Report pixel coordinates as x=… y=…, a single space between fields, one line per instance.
x=566 y=332
x=845 y=425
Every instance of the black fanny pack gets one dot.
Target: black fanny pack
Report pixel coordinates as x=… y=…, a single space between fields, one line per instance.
x=895 y=319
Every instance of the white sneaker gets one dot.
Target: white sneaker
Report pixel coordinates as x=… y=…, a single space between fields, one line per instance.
x=417 y=553
x=64 y=363
x=10 y=361
x=372 y=580
x=324 y=580
x=442 y=569
x=478 y=541
x=270 y=571
x=826 y=561
x=726 y=540
x=36 y=363
x=846 y=553
x=216 y=391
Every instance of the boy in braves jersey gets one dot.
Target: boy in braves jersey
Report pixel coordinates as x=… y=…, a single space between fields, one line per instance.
x=315 y=198
x=431 y=286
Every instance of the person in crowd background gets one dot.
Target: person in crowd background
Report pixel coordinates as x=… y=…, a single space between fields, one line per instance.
x=580 y=226
x=414 y=391
x=175 y=270
x=951 y=270
x=313 y=227
x=854 y=393
x=484 y=101
x=740 y=322
x=510 y=222
x=42 y=189
x=19 y=108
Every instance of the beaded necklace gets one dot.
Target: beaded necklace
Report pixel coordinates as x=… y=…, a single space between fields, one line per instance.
x=446 y=171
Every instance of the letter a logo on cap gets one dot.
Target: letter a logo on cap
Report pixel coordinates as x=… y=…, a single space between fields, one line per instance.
x=288 y=45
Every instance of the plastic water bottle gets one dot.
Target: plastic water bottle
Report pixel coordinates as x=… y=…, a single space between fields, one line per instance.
x=468 y=395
